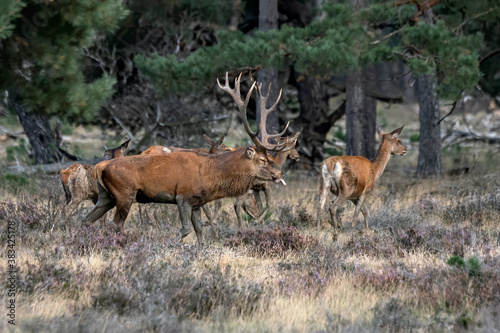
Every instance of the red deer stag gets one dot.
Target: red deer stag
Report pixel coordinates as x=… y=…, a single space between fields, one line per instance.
x=188 y=179
x=79 y=184
x=353 y=177
x=216 y=147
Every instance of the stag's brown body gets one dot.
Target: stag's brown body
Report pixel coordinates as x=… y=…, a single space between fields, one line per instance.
x=354 y=177
x=189 y=179
x=216 y=147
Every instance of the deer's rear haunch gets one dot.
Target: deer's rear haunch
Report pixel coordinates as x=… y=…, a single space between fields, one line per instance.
x=189 y=179
x=354 y=177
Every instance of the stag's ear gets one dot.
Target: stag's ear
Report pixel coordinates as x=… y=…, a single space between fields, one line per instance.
x=250 y=152
x=397 y=132
x=380 y=132
x=208 y=140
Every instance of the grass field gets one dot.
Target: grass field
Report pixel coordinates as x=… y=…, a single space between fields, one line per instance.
x=430 y=262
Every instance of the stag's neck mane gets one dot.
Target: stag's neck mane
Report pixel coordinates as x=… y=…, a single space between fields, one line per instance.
x=229 y=174
x=381 y=159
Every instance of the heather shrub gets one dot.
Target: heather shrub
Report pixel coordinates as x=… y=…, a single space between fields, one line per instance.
x=394 y=316
x=47 y=276
x=456 y=288
x=474 y=208
x=384 y=278
x=219 y=291
x=311 y=284
x=412 y=239
x=376 y=245
x=94 y=238
x=272 y=241
x=26 y=212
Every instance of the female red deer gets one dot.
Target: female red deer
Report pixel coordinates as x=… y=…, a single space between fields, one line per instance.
x=353 y=177
x=188 y=179
x=79 y=184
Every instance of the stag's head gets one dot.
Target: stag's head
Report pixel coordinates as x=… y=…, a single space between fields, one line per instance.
x=119 y=151
x=265 y=168
x=391 y=140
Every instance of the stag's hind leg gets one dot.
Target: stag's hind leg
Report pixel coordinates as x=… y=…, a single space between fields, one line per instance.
x=104 y=203
x=121 y=213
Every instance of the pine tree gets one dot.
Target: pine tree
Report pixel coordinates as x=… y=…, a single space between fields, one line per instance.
x=450 y=47
x=42 y=45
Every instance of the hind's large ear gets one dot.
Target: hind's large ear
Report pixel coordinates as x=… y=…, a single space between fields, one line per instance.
x=208 y=140
x=220 y=141
x=380 y=132
x=397 y=132
x=125 y=144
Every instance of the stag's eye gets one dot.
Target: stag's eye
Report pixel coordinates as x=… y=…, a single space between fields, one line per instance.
x=263 y=161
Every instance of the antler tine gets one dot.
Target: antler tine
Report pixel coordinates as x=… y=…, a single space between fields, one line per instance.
x=242 y=105
x=264 y=112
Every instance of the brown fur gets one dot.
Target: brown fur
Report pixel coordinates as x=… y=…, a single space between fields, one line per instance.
x=189 y=179
x=216 y=147
x=353 y=177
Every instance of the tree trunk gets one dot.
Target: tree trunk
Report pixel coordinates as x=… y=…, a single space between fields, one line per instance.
x=315 y=117
x=360 y=118
x=360 y=109
x=268 y=77
x=43 y=141
x=429 y=150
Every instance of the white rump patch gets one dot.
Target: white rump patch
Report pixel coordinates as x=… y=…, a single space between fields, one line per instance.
x=337 y=172
x=165 y=150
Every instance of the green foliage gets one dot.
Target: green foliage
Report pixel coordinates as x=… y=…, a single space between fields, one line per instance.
x=11 y=10
x=415 y=137
x=48 y=43
x=471 y=265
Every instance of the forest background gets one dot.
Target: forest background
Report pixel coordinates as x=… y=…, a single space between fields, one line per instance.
x=147 y=70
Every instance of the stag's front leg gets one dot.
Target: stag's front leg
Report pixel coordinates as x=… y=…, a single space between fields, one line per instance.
x=237 y=209
x=185 y=215
x=196 y=221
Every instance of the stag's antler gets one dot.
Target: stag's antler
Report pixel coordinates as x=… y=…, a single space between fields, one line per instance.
x=264 y=112
x=242 y=106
